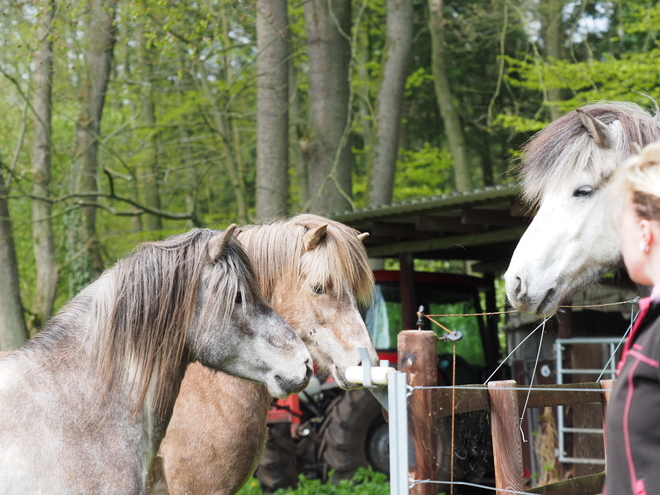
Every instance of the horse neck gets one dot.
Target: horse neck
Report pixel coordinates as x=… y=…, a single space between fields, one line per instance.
x=67 y=345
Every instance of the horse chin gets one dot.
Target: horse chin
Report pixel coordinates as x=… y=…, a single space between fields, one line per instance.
x=282 y=388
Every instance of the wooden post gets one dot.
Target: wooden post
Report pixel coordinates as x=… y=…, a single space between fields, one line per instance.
x=507 y=442
x=418 y=359
x=607 y=386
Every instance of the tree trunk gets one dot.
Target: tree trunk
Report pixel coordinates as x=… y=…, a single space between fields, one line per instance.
x=13 y=332
x=328 y=26
x=390 y=100
x=272 y=108
x=148 y=169
x=450 y=117
x=101 y=41
x=47 y=270
x=553 y=41
x=364 y=103
x=296 y=132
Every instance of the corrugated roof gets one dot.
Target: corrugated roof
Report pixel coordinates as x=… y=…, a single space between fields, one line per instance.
x=482 y=224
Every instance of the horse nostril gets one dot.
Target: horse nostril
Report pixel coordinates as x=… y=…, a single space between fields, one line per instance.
x=310 y=368
x=518 y=287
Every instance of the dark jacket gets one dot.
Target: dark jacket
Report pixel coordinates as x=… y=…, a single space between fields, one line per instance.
x=633 y=414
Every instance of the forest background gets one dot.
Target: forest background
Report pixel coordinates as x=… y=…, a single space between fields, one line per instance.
x=125 y=121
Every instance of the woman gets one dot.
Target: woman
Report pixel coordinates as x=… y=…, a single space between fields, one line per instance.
x=633 y=415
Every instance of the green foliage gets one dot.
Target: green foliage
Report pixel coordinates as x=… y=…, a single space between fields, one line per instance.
x=365 y=482
x=197 y=62
x=425 y=172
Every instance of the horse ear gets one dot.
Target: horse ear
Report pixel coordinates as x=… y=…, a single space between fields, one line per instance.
x=596 y=129
x=362 y=236
x=312 y=237
x=218 y=243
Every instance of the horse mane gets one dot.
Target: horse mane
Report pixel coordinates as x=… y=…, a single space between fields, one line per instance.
x=340 y=260
x=564 y=147
x=148 y=300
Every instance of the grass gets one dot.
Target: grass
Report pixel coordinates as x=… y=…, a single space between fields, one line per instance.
x=365 y=482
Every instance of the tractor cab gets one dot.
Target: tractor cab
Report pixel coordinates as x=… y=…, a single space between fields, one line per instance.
x=439 y=294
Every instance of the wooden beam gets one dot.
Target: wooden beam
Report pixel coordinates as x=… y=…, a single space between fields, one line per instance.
x=457 y=242
x=392 y=229
x=476 y=397
x=503 y=218
x=428 y=223
x=582 y=485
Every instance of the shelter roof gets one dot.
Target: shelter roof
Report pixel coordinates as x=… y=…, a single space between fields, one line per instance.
x=483 y=225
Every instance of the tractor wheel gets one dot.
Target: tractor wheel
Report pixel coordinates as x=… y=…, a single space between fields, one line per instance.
x=278 y=467
x=355 y=435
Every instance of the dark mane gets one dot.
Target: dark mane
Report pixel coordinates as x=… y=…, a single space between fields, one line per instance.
x=564 y=147
x=144 y=305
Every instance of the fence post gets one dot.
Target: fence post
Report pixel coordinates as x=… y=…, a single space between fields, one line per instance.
x=418 y=359
x=507 y=441
x=607 y=386
x=397 y=397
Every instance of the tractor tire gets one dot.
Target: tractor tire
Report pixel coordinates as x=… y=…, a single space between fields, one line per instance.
x=278 y=467
x=354 y=435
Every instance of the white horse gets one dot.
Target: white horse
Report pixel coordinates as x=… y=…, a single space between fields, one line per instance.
x=573 y=239
x=85 y=404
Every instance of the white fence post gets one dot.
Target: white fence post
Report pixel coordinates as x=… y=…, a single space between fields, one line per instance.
x=397 y=392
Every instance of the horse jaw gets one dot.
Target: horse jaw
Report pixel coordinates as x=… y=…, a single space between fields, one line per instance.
x=570 y=243
x=260 y=347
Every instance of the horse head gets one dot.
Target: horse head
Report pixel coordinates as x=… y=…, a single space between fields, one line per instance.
x=573 y=239
x=315 y=272
x=235 y=329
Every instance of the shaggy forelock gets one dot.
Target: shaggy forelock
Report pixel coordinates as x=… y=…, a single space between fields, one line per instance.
x=340 y=260
x=564 y=148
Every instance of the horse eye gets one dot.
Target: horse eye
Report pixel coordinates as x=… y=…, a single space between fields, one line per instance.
x=239 y=298
x=318 y=289
x=583 y=192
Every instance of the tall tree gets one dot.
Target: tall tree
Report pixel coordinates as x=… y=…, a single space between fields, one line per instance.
x=450 y=117
x=148 y=170
x=328 y=26
x=553 y=43
x=13 y=332
x=272 y=108
x=42 y=229
x=86 y=258
x=390 y=100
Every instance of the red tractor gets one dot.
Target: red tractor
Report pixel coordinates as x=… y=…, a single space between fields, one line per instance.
x=326 y=429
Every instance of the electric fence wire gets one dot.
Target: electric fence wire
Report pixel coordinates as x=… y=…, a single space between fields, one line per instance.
x=541 y=325
x=414 y=483
x=531 y=382
x=633 y=317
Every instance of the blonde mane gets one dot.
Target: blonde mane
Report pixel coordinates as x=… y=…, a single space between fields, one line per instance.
x=339 y=261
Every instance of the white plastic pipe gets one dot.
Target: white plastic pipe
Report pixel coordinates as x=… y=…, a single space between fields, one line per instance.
x=355 y=374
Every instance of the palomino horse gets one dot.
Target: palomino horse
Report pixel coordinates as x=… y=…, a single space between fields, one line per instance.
x=313 y=271
x=85 y=404
x=566 y=168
